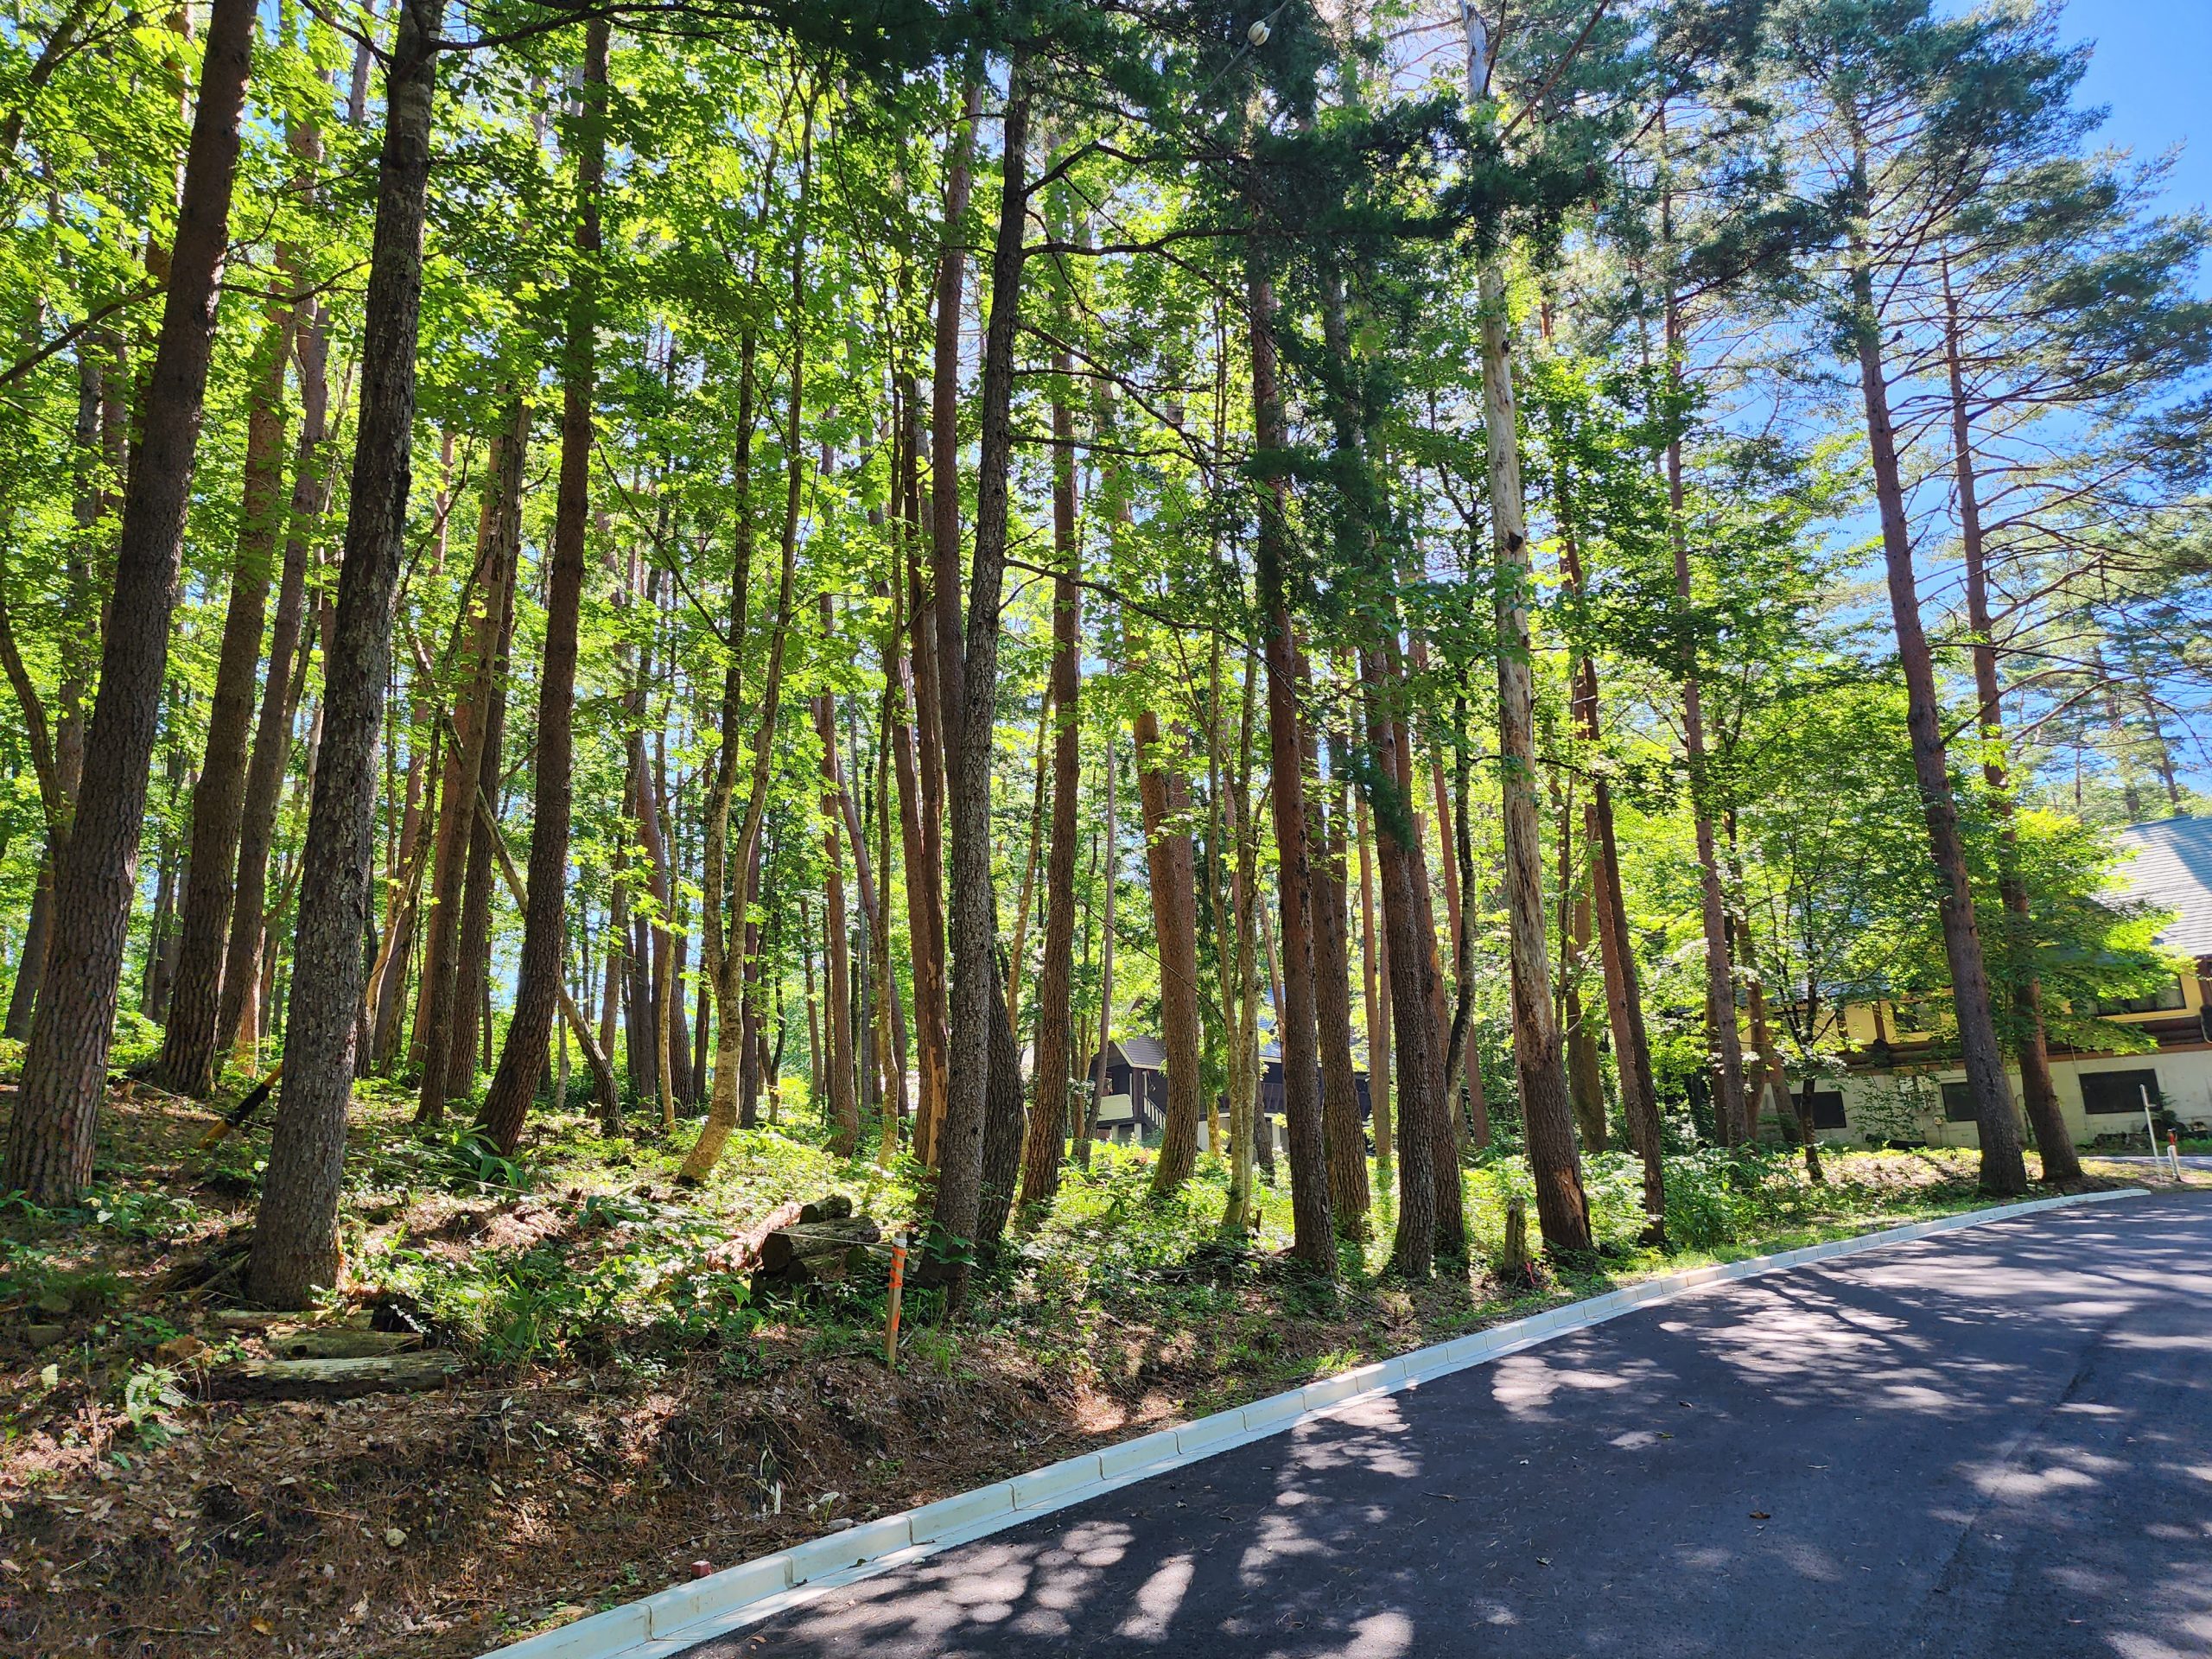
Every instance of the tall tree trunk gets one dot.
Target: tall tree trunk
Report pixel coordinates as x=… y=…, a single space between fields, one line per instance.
x=522 y=1061
x=295 y=1241
x=30 y=966
x=945 y=588
x=1017 y=952
x=272 y=732
x=925 y=879
x=1111 y=840
x=1443 y=1069
x=875 y=935
x=1547 y=1119
x=658 y=875
x=160 y=926
x=50 y=1134
x=920 y=777
x=733 y=971
x=63 y=769
x=938 y=659
x=2003 y=1171
x=1585 y=1080
x=1375 y=990
x=725 y=932
x=844 y=1107
x=1725 y=1054
x=1417 y=1061
x=970 y=696
x=1312 y=1241
x=470 y=1029
x=189 y=1051
x=443 y=1036
x=1345 y=1140
x=1164 y=800
x=1639 y=1097
x=1229 y=790
x=2053 y=1140
x=1053 y=1067
x=404 y=901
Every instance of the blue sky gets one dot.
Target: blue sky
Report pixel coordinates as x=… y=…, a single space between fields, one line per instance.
x=2150 y=71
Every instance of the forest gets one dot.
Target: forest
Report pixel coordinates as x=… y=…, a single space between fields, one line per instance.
x=736 y=590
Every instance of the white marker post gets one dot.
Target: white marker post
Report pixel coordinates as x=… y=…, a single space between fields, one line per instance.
x=2150 y=1124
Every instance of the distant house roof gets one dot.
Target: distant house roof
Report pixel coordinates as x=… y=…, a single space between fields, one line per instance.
x=2172 y=870
x=1141 y=1054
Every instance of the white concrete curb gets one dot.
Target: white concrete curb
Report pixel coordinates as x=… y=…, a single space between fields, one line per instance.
x=665 y=1624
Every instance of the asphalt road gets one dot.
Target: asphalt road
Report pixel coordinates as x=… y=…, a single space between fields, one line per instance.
x=1997 y=1442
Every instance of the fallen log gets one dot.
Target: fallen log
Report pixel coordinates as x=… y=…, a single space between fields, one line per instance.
x=343 y=1343
x=332 y=1379
x=742 y=1254
x=803 y=1240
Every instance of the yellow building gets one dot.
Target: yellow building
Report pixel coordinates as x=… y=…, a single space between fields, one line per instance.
x=1901 y=1083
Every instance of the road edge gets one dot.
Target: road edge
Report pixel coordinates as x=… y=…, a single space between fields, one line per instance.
x=662 y=1625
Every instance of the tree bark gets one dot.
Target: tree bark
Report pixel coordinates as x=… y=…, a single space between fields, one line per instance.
x=1418 y=1064
x=469 y=1032
x=1424 y=978
x=1094 y=1099
x=446 y=1054
x=1562 y=1211
x=1312 y=1240
x=58 y=758
x=402 y=901
x=1585 y=1080
x=188 y=1047
x=1345 y=1140
x=658 y=875
x=1724 y=1056
x=51 y=1133
x=2060 y=1160
x=939 y=665
x=1375 y=989
x=1639 y=1095
x=1054 y=1066
x=1164 y=797
x=844 y=1107
x=970 y=697
x=272 y=732
x=2003 y=1171
x=921 y=777
x=295 y=1243
x=522 y=1061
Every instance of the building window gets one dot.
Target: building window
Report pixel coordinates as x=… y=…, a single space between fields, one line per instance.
x=2167 y=999
x=1922 y=1018
x=1827 y=1111
x=1958 y=1103
x=2117 y=1094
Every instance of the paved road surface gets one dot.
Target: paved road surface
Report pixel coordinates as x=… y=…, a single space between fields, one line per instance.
x=1994 y=1443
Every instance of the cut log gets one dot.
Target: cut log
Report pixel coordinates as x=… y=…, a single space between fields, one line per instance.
x=836 y=1207
x=742 y=1254
x=251 y=1318
x=342 y=1344
x=803 y=1241
x=332 y=1379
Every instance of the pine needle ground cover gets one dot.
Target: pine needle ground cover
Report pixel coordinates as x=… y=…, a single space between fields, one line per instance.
x=624 y=1407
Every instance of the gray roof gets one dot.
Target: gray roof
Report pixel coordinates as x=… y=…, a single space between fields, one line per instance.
x=1146 y=1054
x=2172 y=870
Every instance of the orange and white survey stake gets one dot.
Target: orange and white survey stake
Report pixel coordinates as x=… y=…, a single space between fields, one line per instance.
x=898 y=1283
